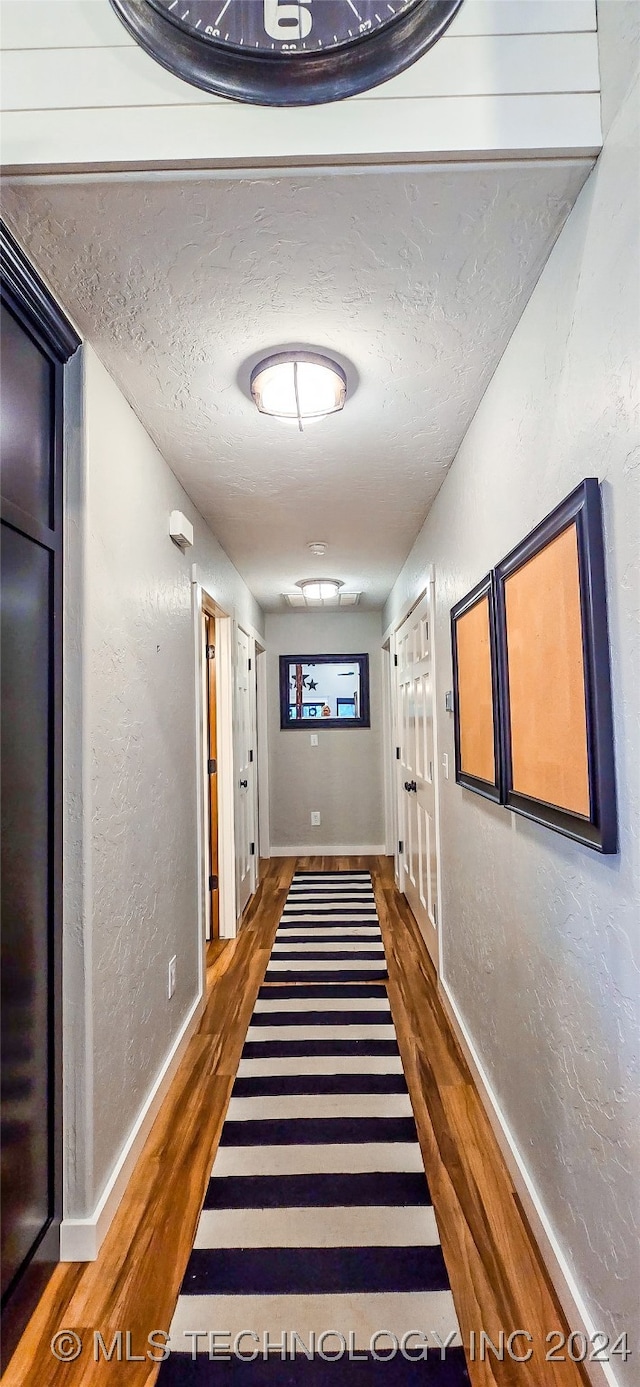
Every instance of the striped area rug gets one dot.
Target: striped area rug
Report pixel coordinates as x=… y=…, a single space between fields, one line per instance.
x=317 y=1257
x=329 y=931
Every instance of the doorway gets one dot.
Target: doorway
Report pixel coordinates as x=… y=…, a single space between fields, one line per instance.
x=247 y=768
x=214 y=692
x=227 y=762
x=415 y=769
x=213 y=931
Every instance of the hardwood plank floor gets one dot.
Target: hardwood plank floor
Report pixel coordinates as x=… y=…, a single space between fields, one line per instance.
x=497 y=1277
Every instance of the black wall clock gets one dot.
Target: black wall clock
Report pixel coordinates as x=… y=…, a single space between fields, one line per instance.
x=286 y=52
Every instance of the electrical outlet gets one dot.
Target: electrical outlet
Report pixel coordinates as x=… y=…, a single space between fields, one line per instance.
x=314 y=739
x=171 y=979
x=315 y=818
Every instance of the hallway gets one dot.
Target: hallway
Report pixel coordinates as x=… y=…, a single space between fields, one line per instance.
x=320 y=556
x=497 y=1277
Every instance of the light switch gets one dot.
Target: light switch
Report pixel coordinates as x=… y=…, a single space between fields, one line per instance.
x=314 y=739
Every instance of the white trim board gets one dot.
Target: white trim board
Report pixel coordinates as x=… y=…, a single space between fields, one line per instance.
x=485 y=127
x=225 y=676
x=262 y=719
x=560 y=1273
x=334 y=850
x=255 y=172
x=225 y=626
x=408 y=607
x=82 y=1238
x=36 y=78
x=83 y=24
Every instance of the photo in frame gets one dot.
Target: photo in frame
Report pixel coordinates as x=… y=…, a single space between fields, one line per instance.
x=556 y=729
x=475 y=692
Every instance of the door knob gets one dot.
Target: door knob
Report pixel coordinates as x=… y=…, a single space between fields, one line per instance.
x=244 y=784
x=408 y=785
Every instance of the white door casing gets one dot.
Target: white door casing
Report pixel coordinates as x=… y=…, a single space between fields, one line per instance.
x=416 y=769
x=389 y=752
x=254 y=763
x=203 y=600
x=262 y=758
x=245 y=767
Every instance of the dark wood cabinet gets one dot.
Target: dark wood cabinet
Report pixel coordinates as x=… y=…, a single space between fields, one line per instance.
x=36 y=343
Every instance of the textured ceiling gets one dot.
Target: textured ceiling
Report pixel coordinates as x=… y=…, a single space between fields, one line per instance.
x=415 y=279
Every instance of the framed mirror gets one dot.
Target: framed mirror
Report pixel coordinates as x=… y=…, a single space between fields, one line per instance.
x=324 y=691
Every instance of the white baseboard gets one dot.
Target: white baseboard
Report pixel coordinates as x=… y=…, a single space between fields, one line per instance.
x=81 y=1238
x=560 y=1273
x=335 y=850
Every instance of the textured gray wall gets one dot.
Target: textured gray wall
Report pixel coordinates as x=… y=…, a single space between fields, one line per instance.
x=342 y=776
x=132 y=891
x=541 y=938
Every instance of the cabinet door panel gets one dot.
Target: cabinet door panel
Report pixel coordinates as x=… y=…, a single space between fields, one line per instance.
x=26 y=850
x=26 y=418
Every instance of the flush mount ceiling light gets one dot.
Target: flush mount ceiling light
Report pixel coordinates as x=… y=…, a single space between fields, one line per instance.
x=320 y=589
x=318 y=547
x=298 y=385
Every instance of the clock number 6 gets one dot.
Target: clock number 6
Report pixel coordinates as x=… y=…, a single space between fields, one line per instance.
x=286 y=21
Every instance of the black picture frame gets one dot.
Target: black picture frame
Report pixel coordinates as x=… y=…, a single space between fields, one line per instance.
x=288 y=79
x=488 y=789
x=583 y=508
x=287 y=723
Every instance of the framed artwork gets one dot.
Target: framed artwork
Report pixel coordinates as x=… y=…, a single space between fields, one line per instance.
x=475 y=685
x=328 y=690
x=553 y=671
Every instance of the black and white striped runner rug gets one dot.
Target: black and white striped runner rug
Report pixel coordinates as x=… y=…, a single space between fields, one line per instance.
x=317 y=1257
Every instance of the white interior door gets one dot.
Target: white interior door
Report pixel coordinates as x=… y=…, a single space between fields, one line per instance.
x=416 y=788
x=246 y=790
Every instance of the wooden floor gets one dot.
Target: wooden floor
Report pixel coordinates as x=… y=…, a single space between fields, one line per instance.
x=496 y=1274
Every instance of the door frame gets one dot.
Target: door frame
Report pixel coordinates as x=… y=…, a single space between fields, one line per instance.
x=260 y=758
x=211 y=750
x=389 y=754
x=391 y=729
x=429 y=589
x=205 y=604
x=263 y=845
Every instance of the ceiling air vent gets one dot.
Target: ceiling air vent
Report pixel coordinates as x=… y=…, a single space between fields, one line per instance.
x=340 y=599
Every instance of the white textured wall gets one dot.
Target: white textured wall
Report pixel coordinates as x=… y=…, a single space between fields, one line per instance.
x=132 y=892
x=342 y=776
x=618 y=43
x=541 y=938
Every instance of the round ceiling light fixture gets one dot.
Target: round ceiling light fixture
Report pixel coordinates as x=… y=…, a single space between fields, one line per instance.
x=318 y=547
x=299 y=386
x=320 y=589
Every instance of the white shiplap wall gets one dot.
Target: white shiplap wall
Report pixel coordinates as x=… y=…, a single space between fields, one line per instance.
x=509 y=76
